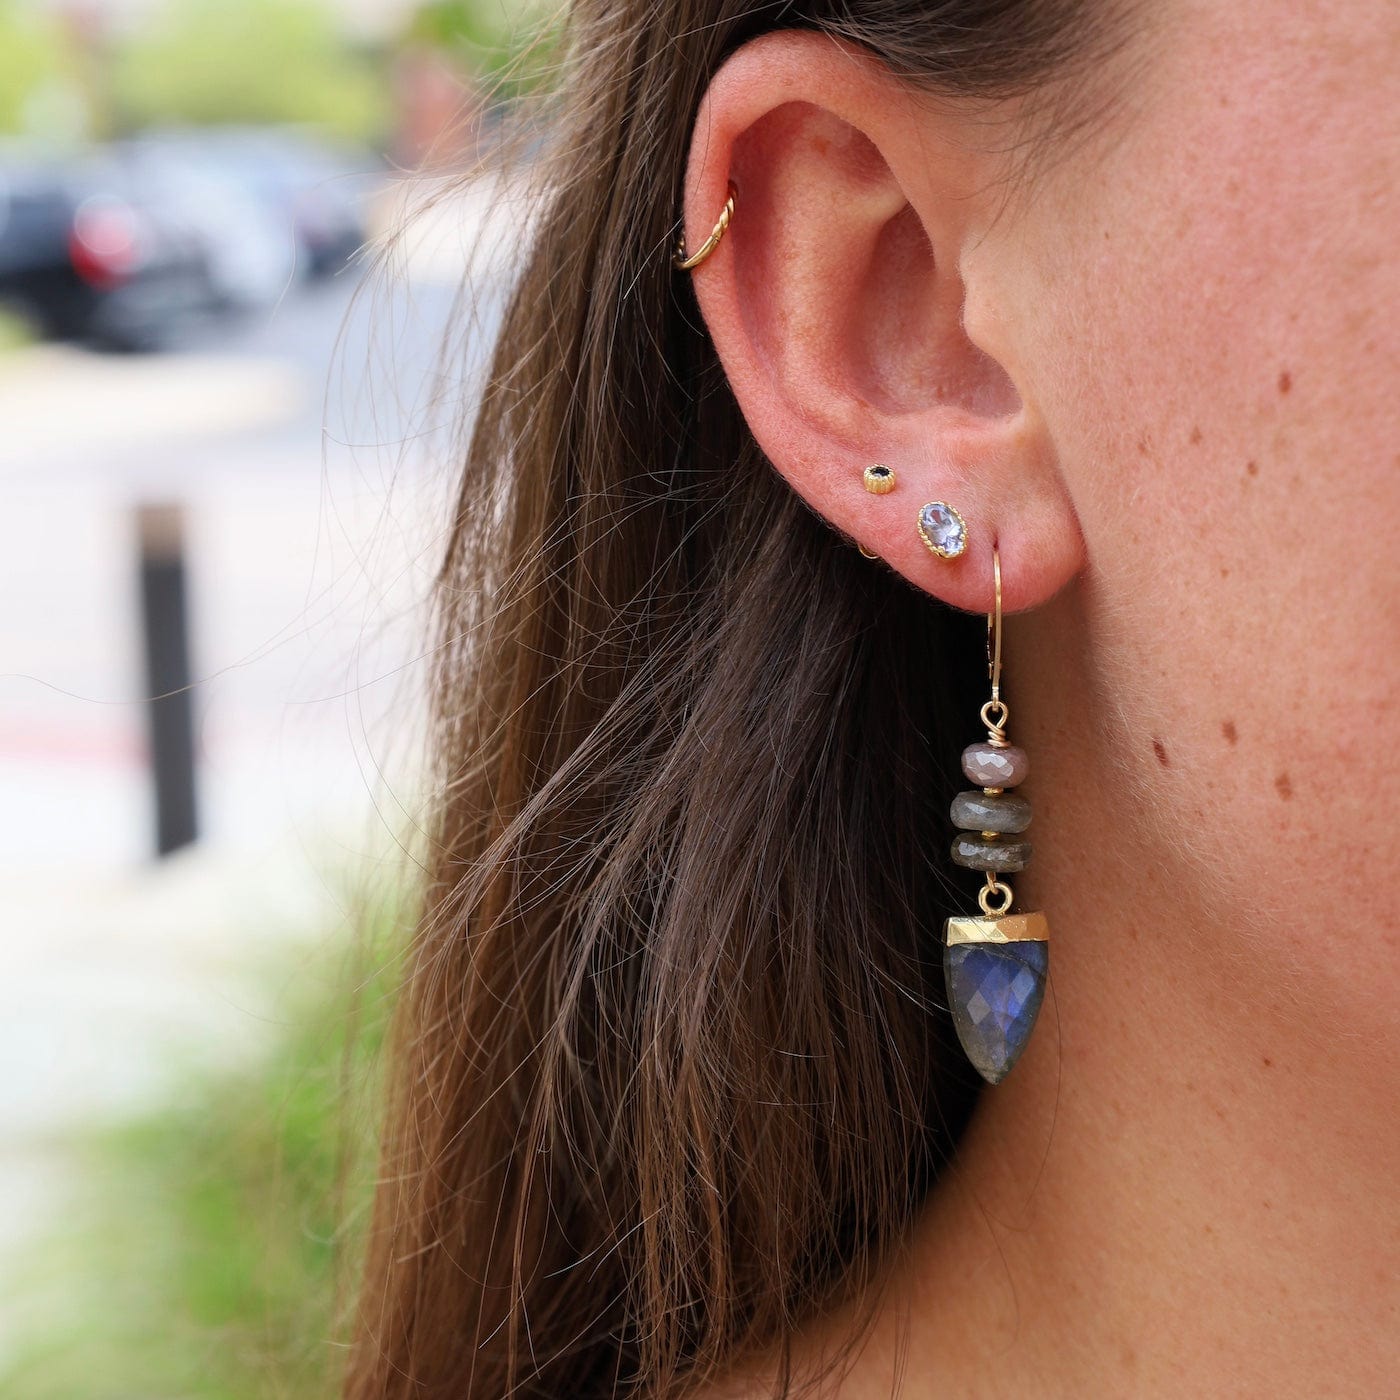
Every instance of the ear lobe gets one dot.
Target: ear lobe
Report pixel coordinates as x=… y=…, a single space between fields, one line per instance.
x=835 y=302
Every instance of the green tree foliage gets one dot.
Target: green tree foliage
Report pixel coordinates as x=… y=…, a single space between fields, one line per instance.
x=511 y=44
x=210 y=61
x=34 y=69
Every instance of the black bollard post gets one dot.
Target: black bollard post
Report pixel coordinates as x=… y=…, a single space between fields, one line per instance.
x=169 y=702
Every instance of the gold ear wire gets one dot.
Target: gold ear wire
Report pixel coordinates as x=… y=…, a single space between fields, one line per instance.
x=684 y=263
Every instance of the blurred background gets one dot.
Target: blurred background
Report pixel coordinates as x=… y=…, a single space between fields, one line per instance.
x=252 y=255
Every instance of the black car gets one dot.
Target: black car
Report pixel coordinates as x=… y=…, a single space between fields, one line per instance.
x=85 y=257
x=319 y=191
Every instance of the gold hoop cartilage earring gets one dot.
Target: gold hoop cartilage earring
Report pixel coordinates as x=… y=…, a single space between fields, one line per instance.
x=879 y=479
x=684 y=263
x=994 y=967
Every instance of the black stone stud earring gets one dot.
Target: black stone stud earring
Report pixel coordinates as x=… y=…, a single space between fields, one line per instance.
x=879 y=479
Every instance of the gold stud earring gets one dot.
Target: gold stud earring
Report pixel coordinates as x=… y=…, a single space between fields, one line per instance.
x=879 y=479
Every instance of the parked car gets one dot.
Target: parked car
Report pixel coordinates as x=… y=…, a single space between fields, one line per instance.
x=250 y=253
x=124 y=245
x=37 y=276
x=85 y=256
x=316 y=191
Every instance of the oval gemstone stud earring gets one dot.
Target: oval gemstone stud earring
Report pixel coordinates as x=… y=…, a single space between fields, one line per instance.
x=942 y=529
x=994 y=966
x=879 y=479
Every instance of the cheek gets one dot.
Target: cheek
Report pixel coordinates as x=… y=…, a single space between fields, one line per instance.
x=1217 y=364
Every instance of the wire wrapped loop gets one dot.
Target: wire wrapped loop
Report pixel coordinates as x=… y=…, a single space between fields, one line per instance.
x=996 y=727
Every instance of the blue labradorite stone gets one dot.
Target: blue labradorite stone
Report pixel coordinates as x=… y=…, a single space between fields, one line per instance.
x=995 y=991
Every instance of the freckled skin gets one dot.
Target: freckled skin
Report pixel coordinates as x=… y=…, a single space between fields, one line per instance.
x=1193 y=463
x=1268 y=318
x=1254 y=568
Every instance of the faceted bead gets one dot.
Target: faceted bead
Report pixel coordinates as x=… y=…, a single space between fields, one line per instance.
x=990 y=766
x=994 y=993
x=974 y=851
x=979 y=811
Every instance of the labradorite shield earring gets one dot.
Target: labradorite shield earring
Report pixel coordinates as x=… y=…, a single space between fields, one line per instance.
x=994 y=966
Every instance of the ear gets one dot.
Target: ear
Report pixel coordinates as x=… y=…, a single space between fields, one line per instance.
x=856 y=312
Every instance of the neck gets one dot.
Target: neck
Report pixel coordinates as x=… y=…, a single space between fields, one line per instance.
x=1179 y=1189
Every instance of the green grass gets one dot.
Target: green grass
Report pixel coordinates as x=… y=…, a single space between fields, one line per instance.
x=15 y=331
x=211 y=1240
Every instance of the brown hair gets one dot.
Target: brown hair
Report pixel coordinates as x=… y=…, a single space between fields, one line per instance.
x=671 y=1068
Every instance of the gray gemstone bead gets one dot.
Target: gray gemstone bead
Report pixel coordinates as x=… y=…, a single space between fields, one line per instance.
x=999 y=855
x=979 y=811
x=989 y=766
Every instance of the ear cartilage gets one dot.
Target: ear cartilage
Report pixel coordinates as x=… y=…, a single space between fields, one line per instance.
x=879 y=479
x=942 y=529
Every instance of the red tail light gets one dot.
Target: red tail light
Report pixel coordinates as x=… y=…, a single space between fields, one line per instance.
x=104 y=243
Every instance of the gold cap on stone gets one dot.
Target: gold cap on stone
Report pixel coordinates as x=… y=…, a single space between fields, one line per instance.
x=1007 y=928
